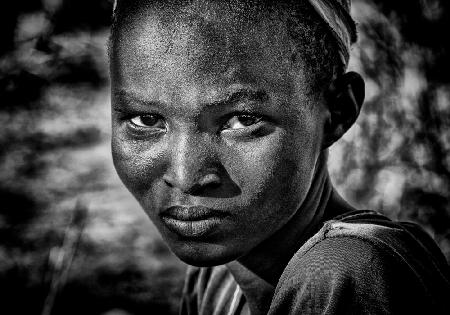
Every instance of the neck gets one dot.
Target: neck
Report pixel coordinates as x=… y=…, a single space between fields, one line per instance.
x=257 y=273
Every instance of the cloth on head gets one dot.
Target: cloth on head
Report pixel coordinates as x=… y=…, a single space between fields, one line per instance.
x=336 y=13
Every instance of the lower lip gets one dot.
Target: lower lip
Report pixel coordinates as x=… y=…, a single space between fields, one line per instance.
x=192 y=229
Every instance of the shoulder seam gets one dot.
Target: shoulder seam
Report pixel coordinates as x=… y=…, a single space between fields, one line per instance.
x=379 y=244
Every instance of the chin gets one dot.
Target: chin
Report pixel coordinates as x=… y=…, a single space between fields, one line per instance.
x=203 y=255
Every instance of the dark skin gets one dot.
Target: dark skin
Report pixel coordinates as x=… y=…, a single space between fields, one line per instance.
x=206 y=116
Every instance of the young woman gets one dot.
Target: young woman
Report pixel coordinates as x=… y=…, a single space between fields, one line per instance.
x=222 y=115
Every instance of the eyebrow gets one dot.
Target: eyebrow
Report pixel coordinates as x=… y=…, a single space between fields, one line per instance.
x=243 y=93
x=230 y=99
x=133 y=97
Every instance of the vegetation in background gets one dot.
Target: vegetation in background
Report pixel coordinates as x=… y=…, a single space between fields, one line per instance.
x=72 y=239
x=396 y=159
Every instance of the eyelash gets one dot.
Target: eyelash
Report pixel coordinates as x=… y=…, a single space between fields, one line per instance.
x=157 y=117
x=257 y=119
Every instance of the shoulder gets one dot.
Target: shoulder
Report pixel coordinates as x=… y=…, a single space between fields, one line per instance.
x=362 y=263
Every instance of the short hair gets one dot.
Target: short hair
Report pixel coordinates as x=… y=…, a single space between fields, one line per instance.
x=311 y=36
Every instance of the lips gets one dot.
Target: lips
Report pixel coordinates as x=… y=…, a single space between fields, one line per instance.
x=192 y=222
x=193 y=213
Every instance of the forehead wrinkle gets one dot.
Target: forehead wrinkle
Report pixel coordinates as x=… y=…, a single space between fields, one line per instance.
x=187 y=46
x=194 y=102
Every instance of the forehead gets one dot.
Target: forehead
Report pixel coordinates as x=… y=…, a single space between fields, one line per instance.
x=202 y=44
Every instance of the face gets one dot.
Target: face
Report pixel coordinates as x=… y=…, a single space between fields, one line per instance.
x=215 y=131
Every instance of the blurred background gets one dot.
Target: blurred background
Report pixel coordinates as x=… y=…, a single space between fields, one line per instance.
x=74 y=241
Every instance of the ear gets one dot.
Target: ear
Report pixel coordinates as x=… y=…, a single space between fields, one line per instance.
x=344 y=100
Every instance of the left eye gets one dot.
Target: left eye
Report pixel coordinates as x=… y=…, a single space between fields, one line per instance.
x=148 y=121
x=241 y=122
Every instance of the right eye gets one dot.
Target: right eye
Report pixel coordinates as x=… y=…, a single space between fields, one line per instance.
x=148 y=121
x=242 y=122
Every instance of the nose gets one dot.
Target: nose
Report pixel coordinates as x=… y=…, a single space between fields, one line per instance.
x=194 y=168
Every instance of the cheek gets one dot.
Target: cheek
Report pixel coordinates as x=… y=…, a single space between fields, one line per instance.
x=138 y=165
x=274 y=172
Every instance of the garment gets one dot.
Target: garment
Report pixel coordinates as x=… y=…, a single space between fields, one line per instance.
x=358 y=263
x=336 y=14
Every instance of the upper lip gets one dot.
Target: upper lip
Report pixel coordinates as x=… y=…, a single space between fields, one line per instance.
x=191 y=213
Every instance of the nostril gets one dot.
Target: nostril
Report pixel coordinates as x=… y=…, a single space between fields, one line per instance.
x=204 y=184
x=194 y=186
x=209 y=180
x=168 y=183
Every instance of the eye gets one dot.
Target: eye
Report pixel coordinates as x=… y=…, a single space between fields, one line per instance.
x=242 y=122
x=148 y=121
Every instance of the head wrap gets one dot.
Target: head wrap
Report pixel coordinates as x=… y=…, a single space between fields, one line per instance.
x=336 y=14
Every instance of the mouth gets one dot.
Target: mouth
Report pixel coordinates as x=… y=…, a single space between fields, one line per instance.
x=192 y=222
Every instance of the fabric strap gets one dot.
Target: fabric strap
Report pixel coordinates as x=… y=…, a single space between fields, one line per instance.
x=336 y=13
